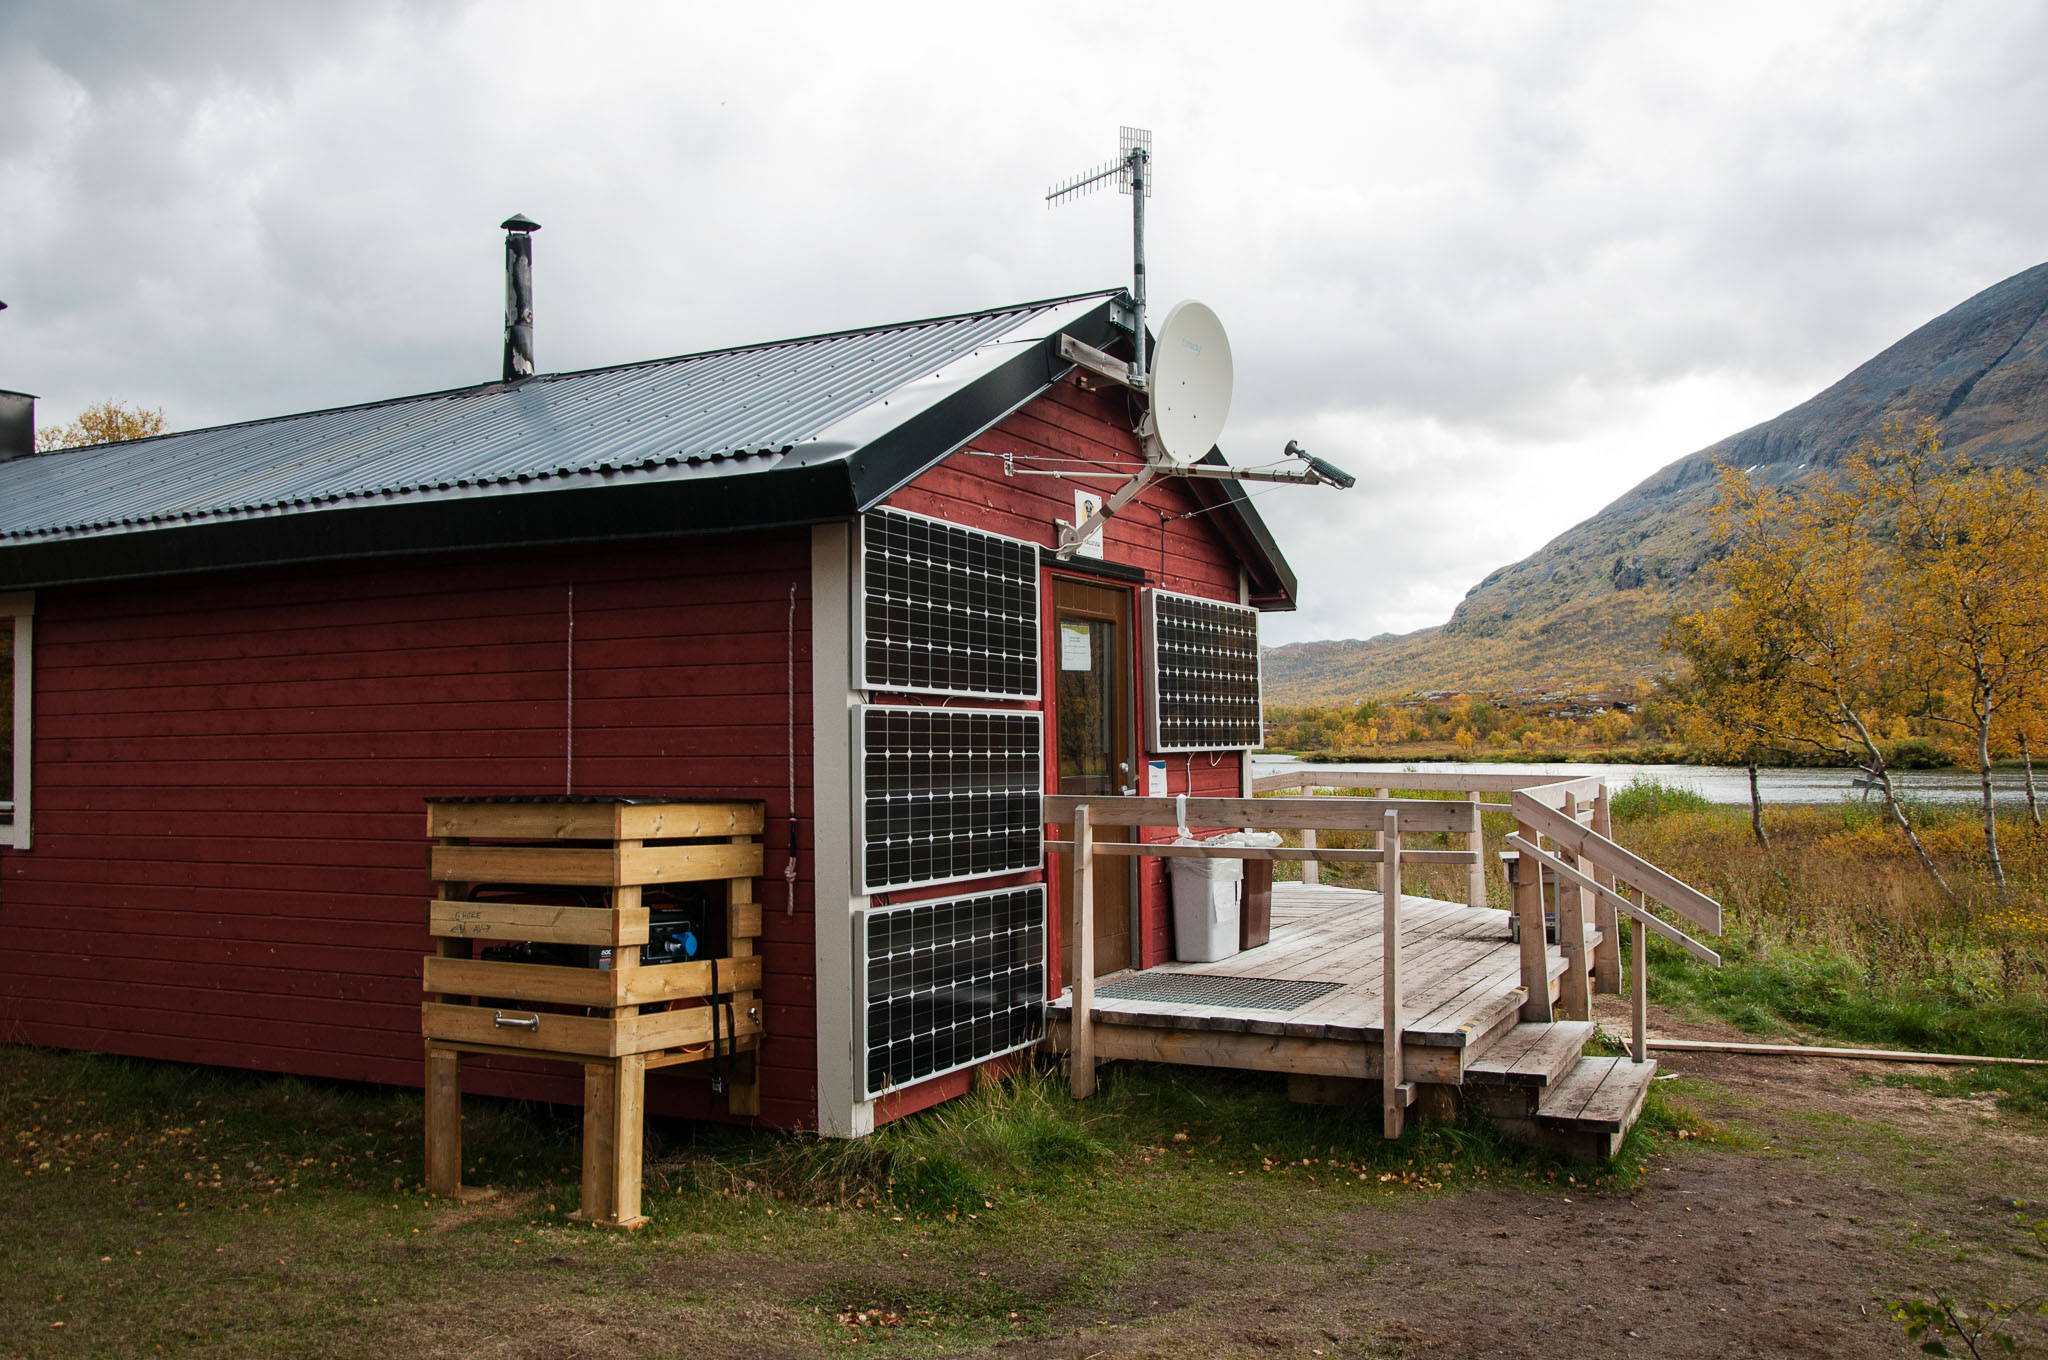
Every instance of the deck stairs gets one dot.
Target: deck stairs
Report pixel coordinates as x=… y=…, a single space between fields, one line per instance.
x=1537 y=1081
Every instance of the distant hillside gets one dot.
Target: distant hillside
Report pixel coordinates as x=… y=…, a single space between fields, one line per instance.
x=1588 y=609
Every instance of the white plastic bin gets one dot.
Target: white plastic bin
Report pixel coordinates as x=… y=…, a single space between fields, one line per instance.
x=1206 y=897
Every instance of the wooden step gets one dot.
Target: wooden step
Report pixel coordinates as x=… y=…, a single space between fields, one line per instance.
x=1599 y=1095
x=1530 y=1055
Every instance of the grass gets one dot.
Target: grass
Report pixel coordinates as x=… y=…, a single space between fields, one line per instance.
x=1835 y=932
x=181 y=1209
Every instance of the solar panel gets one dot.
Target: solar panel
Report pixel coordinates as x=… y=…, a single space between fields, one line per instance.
x=947 y=794
x=946 y=609
x=950 y=983
x=1203 y=681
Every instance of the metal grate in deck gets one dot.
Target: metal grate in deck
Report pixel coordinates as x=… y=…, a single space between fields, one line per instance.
x=1212 y=989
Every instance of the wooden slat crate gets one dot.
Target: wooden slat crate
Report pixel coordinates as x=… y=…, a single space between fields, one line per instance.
x=595 y=858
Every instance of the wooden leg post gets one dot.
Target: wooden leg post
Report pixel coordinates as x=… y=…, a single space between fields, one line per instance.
x=1081 y=1022
x=600 y=1150
x=1573 y=997
x=1394 y=1090
x=629 y=1094
x=1475 y=841
x=1529 y=914
x=1639 y=991
x=444 y=1122
x=1607 y=954
x=1311 y=872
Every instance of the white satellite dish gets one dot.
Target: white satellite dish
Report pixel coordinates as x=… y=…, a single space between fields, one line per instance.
x=1191 y=382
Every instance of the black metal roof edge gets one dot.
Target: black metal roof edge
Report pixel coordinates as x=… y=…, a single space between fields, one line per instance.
x=636 y=510
x=891 y=462
x=499 y=384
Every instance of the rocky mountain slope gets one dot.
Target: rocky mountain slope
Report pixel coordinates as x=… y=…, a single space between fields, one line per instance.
x=1588 y=609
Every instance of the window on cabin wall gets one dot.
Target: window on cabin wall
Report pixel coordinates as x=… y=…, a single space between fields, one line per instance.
x=17 y=616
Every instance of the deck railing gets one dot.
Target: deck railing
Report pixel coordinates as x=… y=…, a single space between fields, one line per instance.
x=1391 y=818
x=1572 y=815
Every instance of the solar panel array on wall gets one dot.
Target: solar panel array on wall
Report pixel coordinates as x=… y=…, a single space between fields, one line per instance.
x=1202 y=683
x=950 y=983
x=946 y=609
x=946 y=794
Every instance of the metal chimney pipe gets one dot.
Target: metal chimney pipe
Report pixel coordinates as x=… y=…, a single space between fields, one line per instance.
x=17 y=425
x=519 y=231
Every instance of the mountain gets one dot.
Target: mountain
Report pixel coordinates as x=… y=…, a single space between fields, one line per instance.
x=1588 y=609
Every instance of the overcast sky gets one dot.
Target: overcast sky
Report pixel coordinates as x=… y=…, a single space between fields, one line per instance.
x=1502 y=261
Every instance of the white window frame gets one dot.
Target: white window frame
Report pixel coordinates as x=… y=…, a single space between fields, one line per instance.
x=14 y=817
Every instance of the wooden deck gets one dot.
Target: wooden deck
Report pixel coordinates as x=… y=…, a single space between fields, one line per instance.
x=1422 y=1002
x=1463 y=990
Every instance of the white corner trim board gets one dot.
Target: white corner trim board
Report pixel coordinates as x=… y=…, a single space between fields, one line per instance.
x=842 y=1113
x=19 y=610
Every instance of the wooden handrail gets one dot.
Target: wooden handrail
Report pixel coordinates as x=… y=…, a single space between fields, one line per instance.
x=1289 y=814
x=1621 y=904
x=1636 y=872
x=1432 y=781
x=1275 y=852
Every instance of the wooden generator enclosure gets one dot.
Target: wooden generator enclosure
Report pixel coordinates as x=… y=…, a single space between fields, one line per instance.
x=581 y=874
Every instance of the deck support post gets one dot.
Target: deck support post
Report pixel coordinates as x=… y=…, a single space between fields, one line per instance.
x=1475 y=841
x=1081 y=1021
x=1607 y=954
x=1529 y=913
x=1639 y=991
x=1394 y=1091
x=1311 y=871
x=1574 y=999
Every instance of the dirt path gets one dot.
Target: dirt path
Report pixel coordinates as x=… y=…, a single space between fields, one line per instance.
x=1828 y=1194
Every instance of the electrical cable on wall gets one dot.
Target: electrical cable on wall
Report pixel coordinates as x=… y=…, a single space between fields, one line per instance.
x=569 y=701
x=789 y=863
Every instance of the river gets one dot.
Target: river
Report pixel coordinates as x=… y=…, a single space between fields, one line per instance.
x=1721 y=784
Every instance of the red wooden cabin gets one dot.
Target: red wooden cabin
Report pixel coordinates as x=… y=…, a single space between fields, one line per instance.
x=243 y=657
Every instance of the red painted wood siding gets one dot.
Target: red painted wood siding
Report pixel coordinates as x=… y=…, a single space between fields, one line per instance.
x=229 y=863
x=1164 y=533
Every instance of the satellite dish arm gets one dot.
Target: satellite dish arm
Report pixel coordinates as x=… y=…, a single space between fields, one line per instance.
x=1072 y=536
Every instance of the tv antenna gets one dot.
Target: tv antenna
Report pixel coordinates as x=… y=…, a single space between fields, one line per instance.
x=1132 y=172
x=1187 y=386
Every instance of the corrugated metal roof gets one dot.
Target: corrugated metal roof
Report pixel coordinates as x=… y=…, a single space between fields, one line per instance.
x=719 y=414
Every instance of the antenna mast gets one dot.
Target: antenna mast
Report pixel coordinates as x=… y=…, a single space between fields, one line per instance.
x=1132 y=171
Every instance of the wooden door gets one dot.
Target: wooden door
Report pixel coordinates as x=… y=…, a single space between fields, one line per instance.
x=1094 y=739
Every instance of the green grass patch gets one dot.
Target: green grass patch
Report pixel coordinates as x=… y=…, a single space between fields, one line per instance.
x=1824 y=992
x=200 y=1210
x=1645 y=798
x=2018 y=1090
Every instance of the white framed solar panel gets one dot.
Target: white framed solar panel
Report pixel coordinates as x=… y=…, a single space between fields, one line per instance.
x=1203 y=674
x=943 y=609
x=945 y=794
x=946 y=984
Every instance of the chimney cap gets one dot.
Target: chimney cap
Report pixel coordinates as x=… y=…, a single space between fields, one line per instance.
x=519 y=222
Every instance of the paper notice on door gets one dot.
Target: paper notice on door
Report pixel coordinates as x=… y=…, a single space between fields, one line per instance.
x=1155 y=779
x=1077 y=652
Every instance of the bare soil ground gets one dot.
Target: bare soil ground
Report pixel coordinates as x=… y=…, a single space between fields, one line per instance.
x=1817 y=1194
